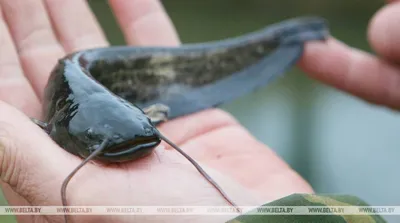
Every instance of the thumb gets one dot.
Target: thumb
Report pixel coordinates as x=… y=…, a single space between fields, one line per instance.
x=384 y=34
x=31 y=164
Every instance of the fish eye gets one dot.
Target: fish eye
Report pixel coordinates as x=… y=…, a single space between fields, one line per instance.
x=148 y=131
x=90 y=133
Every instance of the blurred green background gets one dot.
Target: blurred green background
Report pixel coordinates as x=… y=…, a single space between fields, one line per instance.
x=337 y=142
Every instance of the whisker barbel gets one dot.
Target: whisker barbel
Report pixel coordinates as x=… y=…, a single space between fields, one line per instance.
x=96 y=152
x=104 y=104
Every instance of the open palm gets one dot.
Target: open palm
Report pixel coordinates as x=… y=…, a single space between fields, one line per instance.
x=35 y=34
x=34 y=166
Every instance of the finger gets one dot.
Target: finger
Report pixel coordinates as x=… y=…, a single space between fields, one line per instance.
x=35 y=41
x=354 y=71
x=384 y=32
x=31 y=163
x=75 y=25
x=144 y=22
x=13 y=83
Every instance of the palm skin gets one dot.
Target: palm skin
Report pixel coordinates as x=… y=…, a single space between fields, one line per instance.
x=33 y=166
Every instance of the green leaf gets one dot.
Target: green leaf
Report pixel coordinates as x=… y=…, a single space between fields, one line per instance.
x=311 y=200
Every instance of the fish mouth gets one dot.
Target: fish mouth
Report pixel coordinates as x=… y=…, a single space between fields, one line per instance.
x=131 y=148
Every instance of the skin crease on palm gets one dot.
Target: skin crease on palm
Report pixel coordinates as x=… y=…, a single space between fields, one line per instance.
x=35 y=34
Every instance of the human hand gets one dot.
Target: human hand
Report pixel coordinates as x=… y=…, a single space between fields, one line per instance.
x=33 y=166
x=373 y=78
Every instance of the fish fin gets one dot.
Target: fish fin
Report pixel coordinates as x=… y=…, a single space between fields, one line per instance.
x=158 y=113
